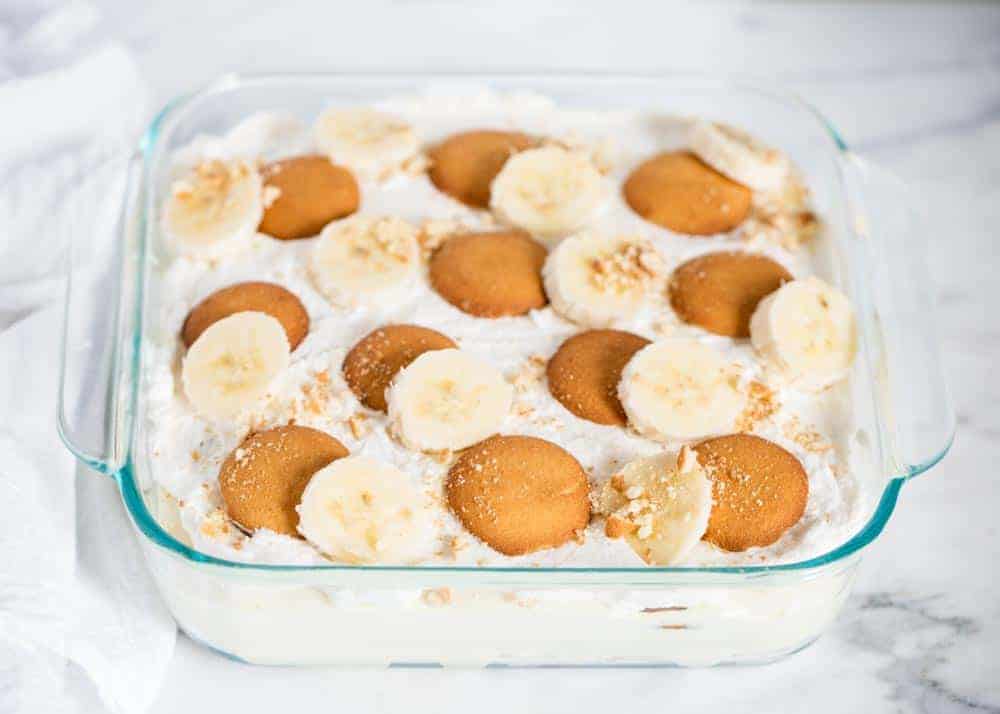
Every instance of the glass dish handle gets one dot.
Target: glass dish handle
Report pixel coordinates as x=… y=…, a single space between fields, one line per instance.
x=96 y=389
x=890 y=225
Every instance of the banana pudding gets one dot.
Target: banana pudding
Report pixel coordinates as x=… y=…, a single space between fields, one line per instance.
x=425 y=333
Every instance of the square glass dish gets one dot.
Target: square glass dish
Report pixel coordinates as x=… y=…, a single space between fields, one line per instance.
x=458 y=615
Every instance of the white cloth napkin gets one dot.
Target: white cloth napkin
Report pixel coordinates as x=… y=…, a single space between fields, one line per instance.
x=81 y=625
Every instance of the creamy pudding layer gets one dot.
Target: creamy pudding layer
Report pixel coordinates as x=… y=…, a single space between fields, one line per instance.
x=188 y=450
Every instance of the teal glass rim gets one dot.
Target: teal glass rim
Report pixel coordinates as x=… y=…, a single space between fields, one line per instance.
x=133 y=498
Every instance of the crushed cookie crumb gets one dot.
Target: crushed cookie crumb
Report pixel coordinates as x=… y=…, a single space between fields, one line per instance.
x=416 y=164
x=529 y=373
x=630 y=266
x=358 y=424
x=434 y=232
x=389 y=237
x=451 y=547
x=209 y=183
x=617 y=527
x=437 y=597
x=663 y=328
x=311 y=402
x=782 y=218
x=216 y=525
x=761 y=404
x=806 y=437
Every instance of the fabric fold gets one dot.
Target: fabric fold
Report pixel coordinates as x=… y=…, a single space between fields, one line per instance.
x=81 y=622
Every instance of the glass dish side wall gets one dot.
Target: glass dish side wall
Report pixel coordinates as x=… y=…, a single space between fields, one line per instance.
x=449 y=621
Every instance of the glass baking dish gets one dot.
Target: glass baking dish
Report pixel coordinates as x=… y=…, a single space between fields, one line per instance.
x=477 y=616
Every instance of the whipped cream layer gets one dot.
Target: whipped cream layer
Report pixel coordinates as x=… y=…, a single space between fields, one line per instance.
x=186 y=450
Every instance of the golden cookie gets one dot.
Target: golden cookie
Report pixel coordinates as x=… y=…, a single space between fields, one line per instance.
x=759 y=490
x=720 y=291
x=372 y=363
x=519 y=494
x=465 y=164
x=268 y=298
x=584 y=373
x=311 y=192
x=263 y=479
x=490 y=274
x=678 y=191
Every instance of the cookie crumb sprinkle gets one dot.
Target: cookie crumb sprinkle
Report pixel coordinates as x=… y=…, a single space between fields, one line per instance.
x=632 y=264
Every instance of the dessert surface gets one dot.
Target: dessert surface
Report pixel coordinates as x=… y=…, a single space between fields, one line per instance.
x=497 y=333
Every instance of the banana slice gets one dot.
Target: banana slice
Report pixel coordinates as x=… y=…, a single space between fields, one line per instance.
x=680 y=389
x=365 y=259
x=739 y=156
x=806 y=330
x=233 y=362
x=660 y=505
x=594 y=279
x=365 y=140
x=360 y=510
x=215 y=208
x=549 y=192
x=447 y=400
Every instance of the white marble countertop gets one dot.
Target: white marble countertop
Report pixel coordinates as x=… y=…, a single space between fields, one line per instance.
x=916 y=88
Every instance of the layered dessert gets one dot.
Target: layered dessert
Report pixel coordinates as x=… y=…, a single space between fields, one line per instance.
x=497 y=333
